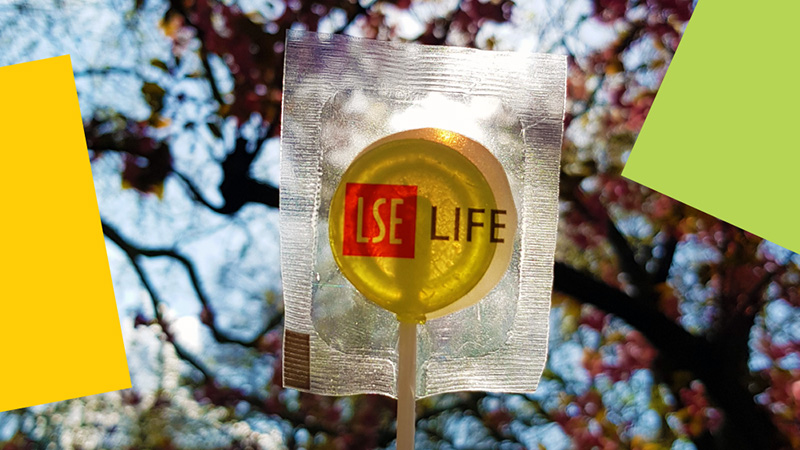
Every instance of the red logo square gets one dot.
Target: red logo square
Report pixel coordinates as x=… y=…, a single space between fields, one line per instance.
x=380 y=220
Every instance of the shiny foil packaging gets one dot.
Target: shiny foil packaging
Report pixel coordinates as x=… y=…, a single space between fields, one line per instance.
x=343 y=95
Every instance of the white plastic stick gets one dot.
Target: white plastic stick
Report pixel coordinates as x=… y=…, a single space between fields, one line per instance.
x=406 y=385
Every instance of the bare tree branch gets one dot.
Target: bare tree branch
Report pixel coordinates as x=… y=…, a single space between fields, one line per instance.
x=178 y=6
x=133 y=252
x=156 y=302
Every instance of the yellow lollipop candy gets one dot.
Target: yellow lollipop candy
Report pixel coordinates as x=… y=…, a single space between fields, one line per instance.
x=423 y=223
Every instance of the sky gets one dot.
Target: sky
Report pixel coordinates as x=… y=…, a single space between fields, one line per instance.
x=238 y=257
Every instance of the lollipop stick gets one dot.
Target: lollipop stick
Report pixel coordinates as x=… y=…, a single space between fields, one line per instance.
x=406 y=385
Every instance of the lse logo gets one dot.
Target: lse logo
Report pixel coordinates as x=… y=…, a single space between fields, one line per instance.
x=380 y=220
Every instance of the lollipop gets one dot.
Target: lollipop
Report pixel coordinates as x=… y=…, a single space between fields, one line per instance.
x=422 y=223
x=419 y=194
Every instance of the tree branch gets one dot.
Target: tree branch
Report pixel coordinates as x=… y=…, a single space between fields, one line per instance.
x=640 y=279
x=296 y=418
x=156 y=302
x=209 y=315
x=178 y=6
x=91 y=72
x=238 y=188
x=662 y=274
x=748 y=426
x=196 y=195
x=667 y=336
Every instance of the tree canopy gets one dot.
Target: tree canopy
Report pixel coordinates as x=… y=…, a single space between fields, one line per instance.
x=669 y=329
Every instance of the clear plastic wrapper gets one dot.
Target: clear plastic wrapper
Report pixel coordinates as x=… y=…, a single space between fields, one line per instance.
x=345 y=96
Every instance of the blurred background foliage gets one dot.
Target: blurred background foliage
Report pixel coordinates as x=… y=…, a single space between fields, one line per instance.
x=670 y=328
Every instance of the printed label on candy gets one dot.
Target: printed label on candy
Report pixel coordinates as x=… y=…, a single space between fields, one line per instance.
x=423 y=222
x=387 y=228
